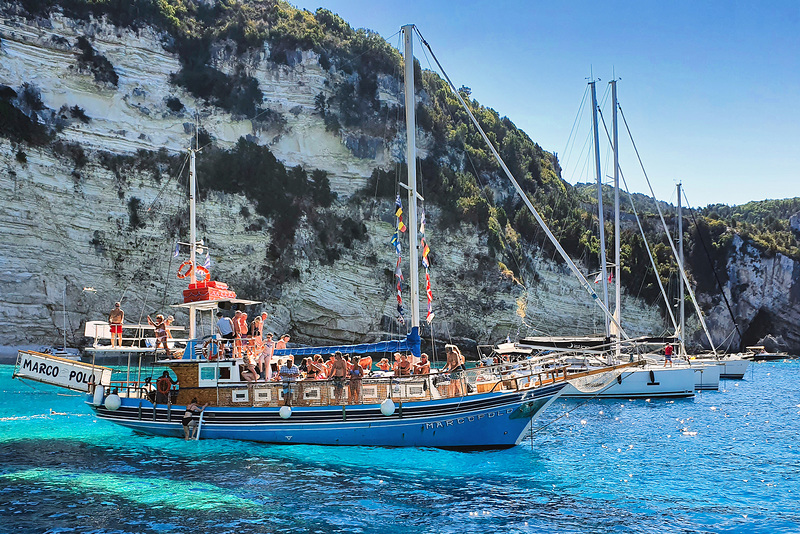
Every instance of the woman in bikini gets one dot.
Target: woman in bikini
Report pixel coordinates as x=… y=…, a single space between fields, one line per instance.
x=354 y=388
x=160 y=326
x=188 y=421
x=403 y=367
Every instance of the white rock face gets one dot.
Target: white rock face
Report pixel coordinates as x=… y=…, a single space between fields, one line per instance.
x=63 y=231
x=765 y=296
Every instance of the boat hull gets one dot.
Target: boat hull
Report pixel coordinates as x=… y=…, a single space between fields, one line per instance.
x=730 y=368
x=483 y=421
x=642 y=383
x=706 y=375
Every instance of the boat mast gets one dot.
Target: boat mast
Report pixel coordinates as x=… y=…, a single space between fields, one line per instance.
x=585 y=284
x=192 y=234
x=64 y=302
x=617 y=262
x=411 y=161
x=600 y=211
x=682 y=345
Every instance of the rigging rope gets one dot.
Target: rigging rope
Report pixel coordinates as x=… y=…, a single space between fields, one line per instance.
x=713 y=270
x=669 y=238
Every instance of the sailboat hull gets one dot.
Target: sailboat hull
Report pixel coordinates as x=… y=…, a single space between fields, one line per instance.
x=730 y=368
x=707 y=375
x=642 y=383
x=484 y=421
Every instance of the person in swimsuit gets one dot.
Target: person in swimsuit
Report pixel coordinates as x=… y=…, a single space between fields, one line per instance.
x=424 y=366
x=115 y=319
x=265 y=358
x=366 y=364
x=338 y=374
x=456 y=368
x=281 y=343
x=404 y=367
x=237 y=333
x=249 y=373
x=188 y=421
x=160 y=326
x=356 y=374
x=384 y=365
x=318 y=365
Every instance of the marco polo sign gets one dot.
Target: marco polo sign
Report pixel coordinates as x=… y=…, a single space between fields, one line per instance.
x=60 y=372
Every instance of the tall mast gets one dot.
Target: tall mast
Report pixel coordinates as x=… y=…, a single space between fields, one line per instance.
x=600 y=212
x=411 y=161
x=682 y=345
x=617 y=259
x=192 y=234
x=65 y=316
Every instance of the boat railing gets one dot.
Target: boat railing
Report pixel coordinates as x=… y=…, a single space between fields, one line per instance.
x=374 y=388
x=134 y=336
x=133 y=389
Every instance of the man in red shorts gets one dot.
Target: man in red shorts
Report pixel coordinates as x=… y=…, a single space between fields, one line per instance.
x=115 y=319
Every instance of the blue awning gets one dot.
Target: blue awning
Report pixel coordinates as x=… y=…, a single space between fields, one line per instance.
x=411 y=344
x=366 y=348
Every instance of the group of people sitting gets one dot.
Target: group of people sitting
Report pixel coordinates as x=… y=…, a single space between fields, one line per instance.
x=256 y=350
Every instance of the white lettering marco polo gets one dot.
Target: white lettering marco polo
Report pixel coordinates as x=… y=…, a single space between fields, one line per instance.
x=60 y=372
x=469 y=419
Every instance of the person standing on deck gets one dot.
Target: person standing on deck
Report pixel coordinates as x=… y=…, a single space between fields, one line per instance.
x=224 y=327
x=338 y=374
x=160 y=328
x=115 y=320
x=289 y=373
x=456 y=368
x=668 y=354
x=356 y=375
x=265 y=358
x=164 y=387
x=237 y=333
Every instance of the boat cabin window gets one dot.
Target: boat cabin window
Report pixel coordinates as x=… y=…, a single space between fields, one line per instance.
x=213 y=373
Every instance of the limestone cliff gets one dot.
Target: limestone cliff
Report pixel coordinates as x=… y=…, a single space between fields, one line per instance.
x=86 y=210
x=764 y=291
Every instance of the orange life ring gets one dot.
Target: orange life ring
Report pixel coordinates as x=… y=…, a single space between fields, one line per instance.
x=163 y=386
x=200 y=269
x=187 y=263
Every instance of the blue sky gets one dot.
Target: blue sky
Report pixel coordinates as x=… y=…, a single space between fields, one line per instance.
x=711 y=90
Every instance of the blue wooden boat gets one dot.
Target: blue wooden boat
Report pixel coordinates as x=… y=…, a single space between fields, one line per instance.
x=487 y=407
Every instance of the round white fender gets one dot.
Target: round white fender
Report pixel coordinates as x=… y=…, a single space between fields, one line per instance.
x=113 y=402
x=285 y=412
x=387 y=407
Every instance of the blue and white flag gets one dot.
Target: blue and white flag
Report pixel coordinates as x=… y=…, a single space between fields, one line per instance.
x=207 y=263
x=396 y=242
x=177 y=250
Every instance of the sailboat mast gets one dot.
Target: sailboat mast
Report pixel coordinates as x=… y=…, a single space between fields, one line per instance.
x=600 y=211
x=617 y=258
x=65 y=316
x=192 y=234
x=682 y=346
x=411 y=161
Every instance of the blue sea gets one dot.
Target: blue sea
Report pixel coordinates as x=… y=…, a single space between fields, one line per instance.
x=726 y=461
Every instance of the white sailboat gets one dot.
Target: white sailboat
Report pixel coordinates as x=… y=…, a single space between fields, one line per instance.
x=650 y=379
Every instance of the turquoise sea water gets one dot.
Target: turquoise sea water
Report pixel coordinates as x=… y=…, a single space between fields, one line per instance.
x=726 y=461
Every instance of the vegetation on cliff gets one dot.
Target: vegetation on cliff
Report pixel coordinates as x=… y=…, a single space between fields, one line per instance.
x=461 y=176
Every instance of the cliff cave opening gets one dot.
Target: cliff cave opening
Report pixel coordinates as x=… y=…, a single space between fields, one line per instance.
x=761 y=326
